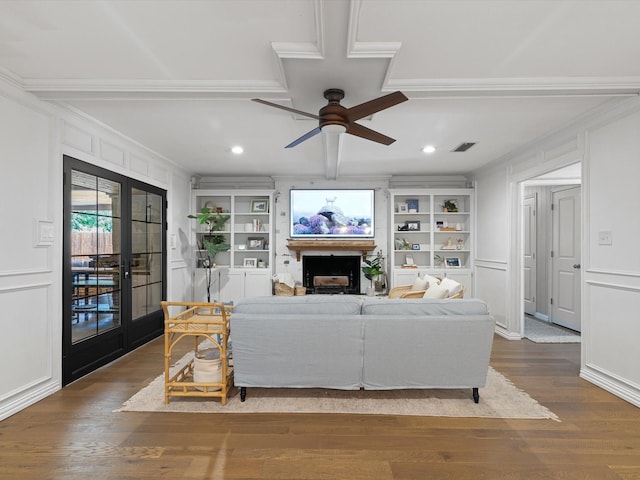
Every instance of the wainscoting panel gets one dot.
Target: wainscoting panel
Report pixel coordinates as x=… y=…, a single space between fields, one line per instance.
x=491 y=286
x=112 y=154
x=27 y=341
x=77 y=138
x=612 y=310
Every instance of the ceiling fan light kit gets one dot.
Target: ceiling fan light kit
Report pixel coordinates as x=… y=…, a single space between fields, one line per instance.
x=337 y=119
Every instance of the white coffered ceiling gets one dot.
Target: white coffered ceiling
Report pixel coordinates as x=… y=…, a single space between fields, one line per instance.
x=178 y=76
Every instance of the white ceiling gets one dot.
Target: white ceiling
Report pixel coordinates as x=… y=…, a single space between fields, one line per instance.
x=178 y=76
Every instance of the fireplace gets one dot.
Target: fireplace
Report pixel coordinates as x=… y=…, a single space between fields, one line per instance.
x=326 y=274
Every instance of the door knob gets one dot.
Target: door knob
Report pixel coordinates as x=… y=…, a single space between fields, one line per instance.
x=576 y=265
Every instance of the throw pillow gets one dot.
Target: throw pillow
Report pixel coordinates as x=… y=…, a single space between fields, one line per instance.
x=420 y=284
x=431 y=279
x=451 y=285
x=436 y=291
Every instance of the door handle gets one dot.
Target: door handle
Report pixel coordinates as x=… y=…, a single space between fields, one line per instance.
x=576 y=265
x=126 y=268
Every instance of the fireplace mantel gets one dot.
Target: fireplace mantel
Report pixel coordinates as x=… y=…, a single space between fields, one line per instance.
x=364 y=246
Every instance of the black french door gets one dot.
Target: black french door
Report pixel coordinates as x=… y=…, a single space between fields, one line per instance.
x=114 y=257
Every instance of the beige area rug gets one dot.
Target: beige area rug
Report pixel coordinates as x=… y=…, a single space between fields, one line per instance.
x=498 y=399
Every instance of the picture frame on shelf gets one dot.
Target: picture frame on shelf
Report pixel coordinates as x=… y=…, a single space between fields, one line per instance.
x=413 y=225
x=415 y=246
x=250 y=262
x=412 y=205
x=255 y=243
x=408 y=260
x=452 y=262
x=259 y=205
x=403 y=208
x=241 y=246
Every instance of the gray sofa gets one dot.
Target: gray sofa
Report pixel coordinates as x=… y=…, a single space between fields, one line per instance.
x=349 y=342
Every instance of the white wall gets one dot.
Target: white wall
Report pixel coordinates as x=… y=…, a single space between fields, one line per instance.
x=609 y=146
x=492 y=242
x=30 y=350
x=611 y=306
x=33 y=137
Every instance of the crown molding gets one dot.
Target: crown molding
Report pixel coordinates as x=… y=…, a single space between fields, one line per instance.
x=549 y=86
x=11 y=78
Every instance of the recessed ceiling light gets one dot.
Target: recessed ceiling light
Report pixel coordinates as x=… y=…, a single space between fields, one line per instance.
x=237 y=149
x=429 y=149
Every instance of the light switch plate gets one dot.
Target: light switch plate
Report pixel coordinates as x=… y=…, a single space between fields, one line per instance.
x=44 y=233
x=605 y=237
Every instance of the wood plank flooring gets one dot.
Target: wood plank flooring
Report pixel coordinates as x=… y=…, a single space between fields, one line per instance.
x=73 y=434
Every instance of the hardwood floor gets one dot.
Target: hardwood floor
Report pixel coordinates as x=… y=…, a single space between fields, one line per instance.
x=73 y=434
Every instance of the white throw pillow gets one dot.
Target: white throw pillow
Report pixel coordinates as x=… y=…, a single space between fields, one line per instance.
x=420 y=284
x=436 y=291
x=451 y=285
x=431 y=279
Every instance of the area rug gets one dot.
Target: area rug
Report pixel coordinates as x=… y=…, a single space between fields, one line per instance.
x=498 y=399
x=543 y=332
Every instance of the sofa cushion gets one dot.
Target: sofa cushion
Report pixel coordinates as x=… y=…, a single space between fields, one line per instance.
x=424 y=306
x=436 y=291
x=305 y=304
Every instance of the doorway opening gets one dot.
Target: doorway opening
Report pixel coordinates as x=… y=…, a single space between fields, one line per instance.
x=550 y=249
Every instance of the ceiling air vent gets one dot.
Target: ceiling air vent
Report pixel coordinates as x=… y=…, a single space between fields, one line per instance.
x=463 y=147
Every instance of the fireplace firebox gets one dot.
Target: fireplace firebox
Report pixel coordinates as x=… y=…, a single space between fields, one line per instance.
x=327 y=274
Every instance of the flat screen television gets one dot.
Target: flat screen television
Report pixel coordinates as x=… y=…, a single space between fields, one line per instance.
x=328 y=213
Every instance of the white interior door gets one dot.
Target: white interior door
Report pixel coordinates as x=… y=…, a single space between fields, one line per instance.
x=529 y=219
x=565 y=300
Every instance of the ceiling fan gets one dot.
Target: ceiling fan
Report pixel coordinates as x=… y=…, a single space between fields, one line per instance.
x=336 y=118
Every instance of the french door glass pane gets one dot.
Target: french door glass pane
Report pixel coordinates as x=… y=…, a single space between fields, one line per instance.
x=95 y=255
x=146 y=241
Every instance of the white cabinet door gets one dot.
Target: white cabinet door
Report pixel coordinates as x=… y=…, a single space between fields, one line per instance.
x=257 y=283
x=237 y=283
x=200 y=285
x=231 y=284
x=406 y=277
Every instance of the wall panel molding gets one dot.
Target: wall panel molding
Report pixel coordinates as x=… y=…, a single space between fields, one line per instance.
x=112 y=153
x=77 y=138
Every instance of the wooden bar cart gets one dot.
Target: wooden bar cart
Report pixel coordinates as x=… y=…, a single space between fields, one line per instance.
x=197 y=320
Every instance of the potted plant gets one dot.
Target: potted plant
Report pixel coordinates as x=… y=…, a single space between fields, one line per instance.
x=372 y=268
x=450 y=206
x=211 y=244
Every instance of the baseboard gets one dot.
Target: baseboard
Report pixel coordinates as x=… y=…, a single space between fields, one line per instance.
x=15 y=403
x=503 y=332
x=611 y=384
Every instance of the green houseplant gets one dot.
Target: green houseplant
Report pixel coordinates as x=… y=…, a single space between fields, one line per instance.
x=212 y=244
x=372 y=269
x=450 y=206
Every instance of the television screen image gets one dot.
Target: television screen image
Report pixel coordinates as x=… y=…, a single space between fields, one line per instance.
x=332 y=213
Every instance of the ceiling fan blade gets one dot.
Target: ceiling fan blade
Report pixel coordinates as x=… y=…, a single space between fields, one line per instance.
x=368 y=134
x=306 y=136
x=372 y=106
x=288 y=109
